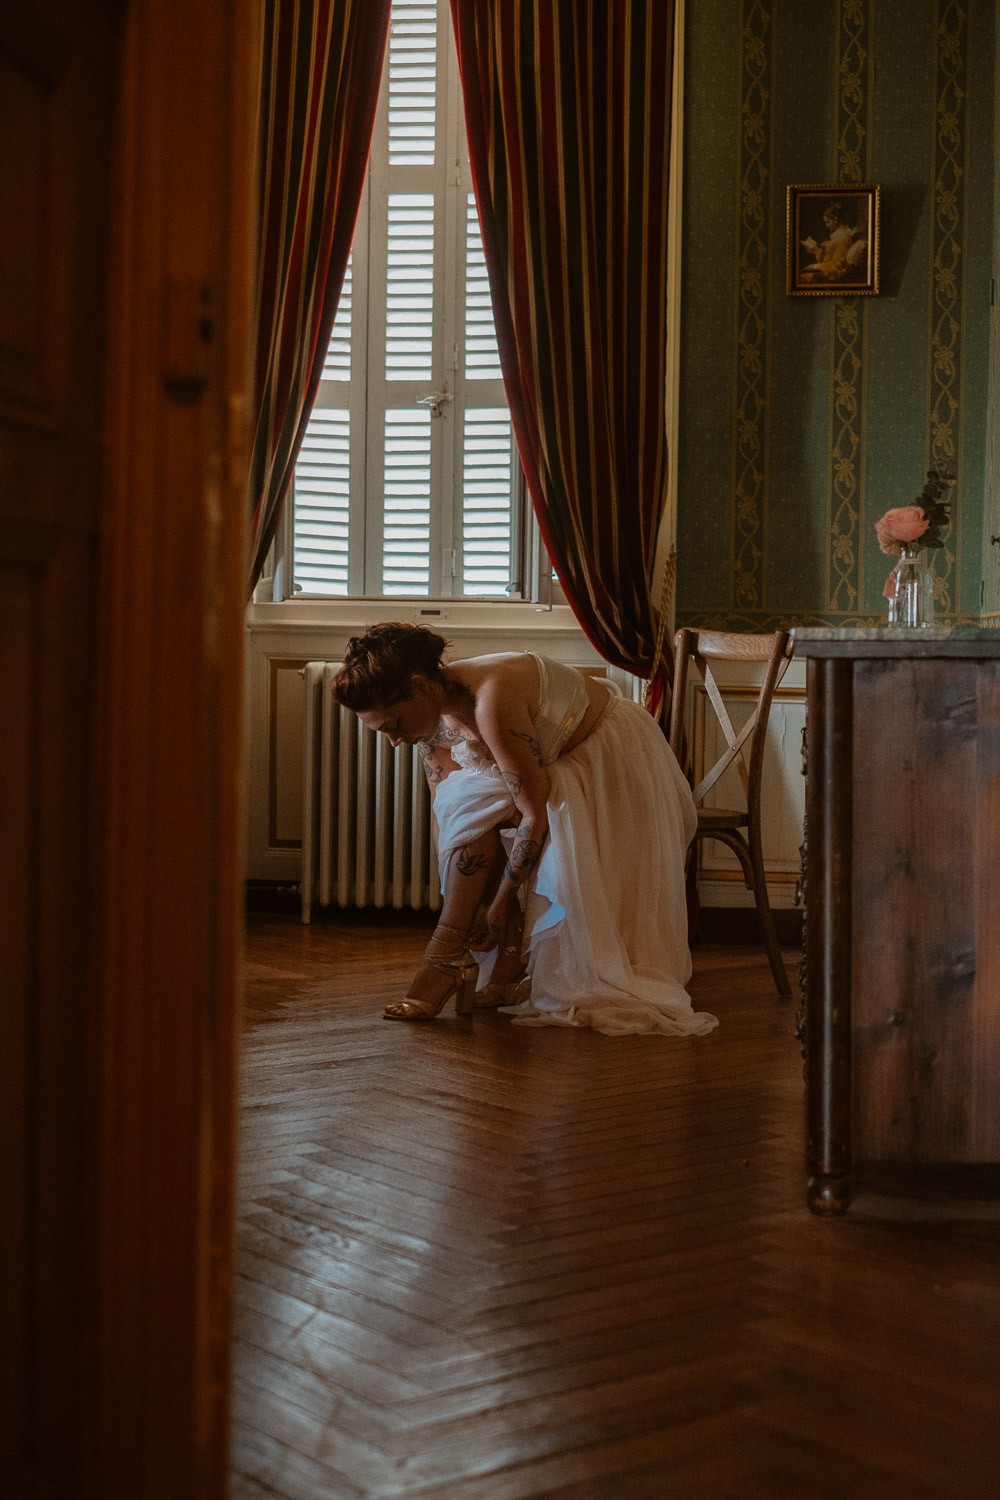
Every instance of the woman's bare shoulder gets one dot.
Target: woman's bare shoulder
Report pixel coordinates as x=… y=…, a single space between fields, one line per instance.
x=500 y=678
x=498 y=666
x=491 y=659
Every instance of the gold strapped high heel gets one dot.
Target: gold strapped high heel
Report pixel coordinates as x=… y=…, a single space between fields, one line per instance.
x=446 y=952
x=495 y=994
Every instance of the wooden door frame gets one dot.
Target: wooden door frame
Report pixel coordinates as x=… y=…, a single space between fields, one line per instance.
x=168 y=931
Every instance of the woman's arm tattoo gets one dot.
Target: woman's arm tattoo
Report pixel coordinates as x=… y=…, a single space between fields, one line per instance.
x=514 y=784
x=532 y=744
x=524 y=851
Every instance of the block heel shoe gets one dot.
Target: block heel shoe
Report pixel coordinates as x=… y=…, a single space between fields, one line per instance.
x=446 y=954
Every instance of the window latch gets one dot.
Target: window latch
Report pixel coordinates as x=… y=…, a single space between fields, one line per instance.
x=435 y=401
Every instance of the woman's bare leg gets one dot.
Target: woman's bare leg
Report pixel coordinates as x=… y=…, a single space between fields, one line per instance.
x=474 y=872
x=510 y=962
x=509 y=966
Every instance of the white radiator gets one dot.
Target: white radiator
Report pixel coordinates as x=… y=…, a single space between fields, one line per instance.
x=366 y=813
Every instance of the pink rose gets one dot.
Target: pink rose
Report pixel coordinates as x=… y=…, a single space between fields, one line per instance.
x=904 y=524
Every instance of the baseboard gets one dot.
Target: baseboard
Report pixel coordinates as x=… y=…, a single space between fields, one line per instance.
x=275 y=898
x=740 y=924
x=714 y=924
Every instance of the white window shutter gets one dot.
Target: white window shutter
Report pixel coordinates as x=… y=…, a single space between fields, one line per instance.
x=406 y=514
x=487 y=473
x=413 y=83
x=337 y=364
x=321 y=524
x=412 y=277
x=482 y=359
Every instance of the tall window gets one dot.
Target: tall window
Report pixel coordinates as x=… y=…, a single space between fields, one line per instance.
x=407 y=483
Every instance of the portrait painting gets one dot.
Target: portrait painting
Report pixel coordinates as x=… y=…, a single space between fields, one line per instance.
x=832 y=239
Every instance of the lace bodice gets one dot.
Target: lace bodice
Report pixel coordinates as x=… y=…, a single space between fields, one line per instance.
x=474 y=755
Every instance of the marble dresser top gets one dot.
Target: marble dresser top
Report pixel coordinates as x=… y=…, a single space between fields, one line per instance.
x=896 y=640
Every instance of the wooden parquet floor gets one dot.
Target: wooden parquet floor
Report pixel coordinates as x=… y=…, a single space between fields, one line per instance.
x=485 y=1262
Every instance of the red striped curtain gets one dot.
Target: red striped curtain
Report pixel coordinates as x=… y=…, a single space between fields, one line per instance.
x=568 y=107
x=321 y=69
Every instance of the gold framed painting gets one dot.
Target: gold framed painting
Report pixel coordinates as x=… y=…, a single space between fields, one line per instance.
x=832 y=232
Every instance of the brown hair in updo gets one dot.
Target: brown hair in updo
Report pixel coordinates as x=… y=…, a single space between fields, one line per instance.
x=379 y=665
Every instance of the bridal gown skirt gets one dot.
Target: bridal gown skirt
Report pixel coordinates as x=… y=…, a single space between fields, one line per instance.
x=605 y=911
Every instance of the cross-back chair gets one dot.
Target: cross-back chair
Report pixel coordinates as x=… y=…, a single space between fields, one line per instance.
x=739 y=830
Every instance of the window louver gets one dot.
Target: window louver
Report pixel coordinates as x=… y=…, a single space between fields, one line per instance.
x=322 y=504
x=337 y=364
x=412 y=83
x=486 y=492
x=409 y=313
x=482 y=358
x=406 y=492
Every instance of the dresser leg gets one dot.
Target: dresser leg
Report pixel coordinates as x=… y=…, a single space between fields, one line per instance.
x=829 y=1196
x=827 y=968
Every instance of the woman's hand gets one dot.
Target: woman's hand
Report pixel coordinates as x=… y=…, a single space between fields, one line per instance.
x=490 y=932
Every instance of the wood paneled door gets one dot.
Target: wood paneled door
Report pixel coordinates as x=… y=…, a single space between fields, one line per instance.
x=125 y=226
x=56 y=95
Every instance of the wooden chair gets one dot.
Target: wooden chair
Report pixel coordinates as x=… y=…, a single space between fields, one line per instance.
x=740 y=831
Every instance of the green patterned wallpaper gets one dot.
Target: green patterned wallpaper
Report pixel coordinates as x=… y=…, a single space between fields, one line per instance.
x=803 y=419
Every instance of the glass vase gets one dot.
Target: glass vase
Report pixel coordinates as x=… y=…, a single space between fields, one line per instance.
x=910 y=589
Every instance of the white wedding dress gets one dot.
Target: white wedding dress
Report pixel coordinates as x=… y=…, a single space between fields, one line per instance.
x=605 y=910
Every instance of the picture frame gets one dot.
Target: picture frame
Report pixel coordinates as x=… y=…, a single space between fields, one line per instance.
x=832 y=239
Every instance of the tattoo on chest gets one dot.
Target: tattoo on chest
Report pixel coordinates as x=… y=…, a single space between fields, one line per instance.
x=443 y=738
x=532 y=744
x=445 y=735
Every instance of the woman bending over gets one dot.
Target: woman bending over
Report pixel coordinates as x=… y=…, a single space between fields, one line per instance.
x=563 y=824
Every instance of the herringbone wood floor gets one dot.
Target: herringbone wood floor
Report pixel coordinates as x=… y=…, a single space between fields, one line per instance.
x=482 y=1262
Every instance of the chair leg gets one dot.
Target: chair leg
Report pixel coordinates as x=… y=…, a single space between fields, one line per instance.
x=771 y=943
x=752 y=861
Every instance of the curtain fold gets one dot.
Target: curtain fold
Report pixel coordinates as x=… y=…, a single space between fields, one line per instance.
x=568 y=110
x=320 y=73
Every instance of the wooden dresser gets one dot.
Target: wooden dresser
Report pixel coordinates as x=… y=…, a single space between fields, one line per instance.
x=901 y=879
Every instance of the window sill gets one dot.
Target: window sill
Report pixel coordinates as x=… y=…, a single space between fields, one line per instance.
x=454 y=616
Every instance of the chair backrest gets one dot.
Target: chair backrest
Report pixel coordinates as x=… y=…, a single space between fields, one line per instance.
x=703 y=648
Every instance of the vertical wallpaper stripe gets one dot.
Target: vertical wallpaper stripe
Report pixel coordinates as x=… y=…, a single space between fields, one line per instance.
x=751 y=413
x=944 y=396
x=849 y=320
